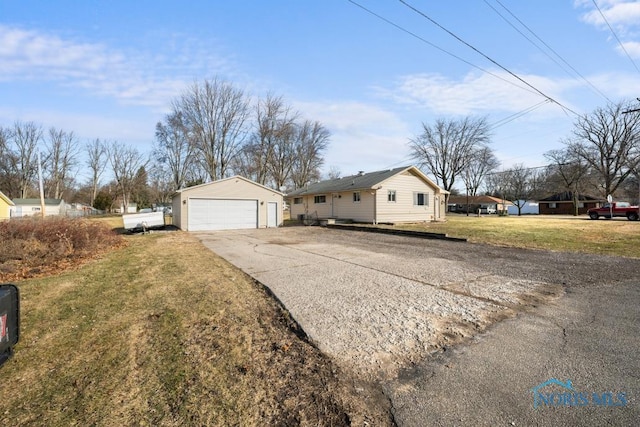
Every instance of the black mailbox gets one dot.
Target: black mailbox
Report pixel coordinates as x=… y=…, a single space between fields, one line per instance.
x=9 y=320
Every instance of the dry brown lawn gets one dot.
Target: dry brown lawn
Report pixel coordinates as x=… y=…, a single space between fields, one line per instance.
x=164 y=332
x=558 y=233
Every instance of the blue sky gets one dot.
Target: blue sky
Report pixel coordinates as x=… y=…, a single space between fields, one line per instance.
x=109 y=70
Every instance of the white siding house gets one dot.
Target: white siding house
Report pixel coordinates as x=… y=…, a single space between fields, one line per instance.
x=31 y=207
x=390 y=196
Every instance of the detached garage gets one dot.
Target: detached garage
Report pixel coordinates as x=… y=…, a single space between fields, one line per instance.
x=227 y=204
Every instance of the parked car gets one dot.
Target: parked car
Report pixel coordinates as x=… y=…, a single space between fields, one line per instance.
x=615 y=209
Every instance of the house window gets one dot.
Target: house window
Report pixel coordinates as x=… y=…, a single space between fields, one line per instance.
x=391 y=196
x=553 y=205
x=421 y=199
x=320 y=199
x=356 y=197
x=581 y=205
x=297 y=200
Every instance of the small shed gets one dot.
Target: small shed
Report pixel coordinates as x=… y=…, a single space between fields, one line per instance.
x=527 y=207
x=30 y=207
x=227 y=204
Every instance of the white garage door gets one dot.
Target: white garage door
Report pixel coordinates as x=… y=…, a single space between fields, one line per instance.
x=222 y=214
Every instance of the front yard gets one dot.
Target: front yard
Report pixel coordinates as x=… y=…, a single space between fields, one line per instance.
x=164 y=332
x=563 y=233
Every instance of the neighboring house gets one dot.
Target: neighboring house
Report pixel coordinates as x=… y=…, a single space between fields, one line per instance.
x=486 y=204
x=230 y=203
x=562 y=204
x=131 y=208
x=6 y=206
x=390 y=196
x=31 y=207
x=527 y=207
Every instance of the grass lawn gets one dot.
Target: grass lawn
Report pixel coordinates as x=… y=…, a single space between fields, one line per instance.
x=164 y=332
x=577 y=234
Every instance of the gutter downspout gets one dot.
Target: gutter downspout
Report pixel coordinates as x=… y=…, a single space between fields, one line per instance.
x=375 y=207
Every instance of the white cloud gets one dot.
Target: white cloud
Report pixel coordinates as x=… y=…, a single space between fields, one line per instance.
x=131 y=77
x=632 y=48
x=88 y=126
x=623 y=14
x=363 y=136
x=475 y=94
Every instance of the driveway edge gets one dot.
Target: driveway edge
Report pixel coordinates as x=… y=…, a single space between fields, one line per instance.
x=410 y=233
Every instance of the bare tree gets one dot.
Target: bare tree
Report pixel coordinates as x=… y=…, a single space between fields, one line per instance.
x=283 y=155
x=570 y=170
x=215 y=113
x=26 y=136
x=311 y=142
x=126 y=162
x=520 y=185
x=334 y=173
x=96 y=160
x=607 y=140
x=447 y=148
x=9 y=181
x=481 y=163
x=270 y=150
x=61 y=158
x=174 y=149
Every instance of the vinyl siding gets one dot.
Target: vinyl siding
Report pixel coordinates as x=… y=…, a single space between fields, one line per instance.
x=373 y=205
x=34 y=210
x=231 y=188
x=403 y=209
x=311 y=209
x=5 y=212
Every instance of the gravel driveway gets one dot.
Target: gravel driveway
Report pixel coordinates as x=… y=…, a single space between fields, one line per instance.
x=376 y=303
x=381 y=304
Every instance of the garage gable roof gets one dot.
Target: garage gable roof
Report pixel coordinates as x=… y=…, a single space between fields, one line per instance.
x=182 y=190
x=363 y=181
x=6 y=199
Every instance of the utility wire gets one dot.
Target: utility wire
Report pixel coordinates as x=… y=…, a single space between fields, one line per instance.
x=424 y=15
x=404 y=30
x=517 y=115
x=595 y=89
x=614 y=35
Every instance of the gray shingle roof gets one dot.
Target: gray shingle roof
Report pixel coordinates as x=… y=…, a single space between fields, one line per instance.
x=567 y=196
x=19 y=202
x=348 y=183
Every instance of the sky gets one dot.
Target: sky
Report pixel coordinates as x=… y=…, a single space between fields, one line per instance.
x=373 y=72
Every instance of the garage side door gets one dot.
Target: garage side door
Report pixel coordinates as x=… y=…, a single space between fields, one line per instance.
x=222 y=214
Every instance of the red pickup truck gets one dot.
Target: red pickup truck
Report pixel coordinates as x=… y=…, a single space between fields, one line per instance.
x=617 y=208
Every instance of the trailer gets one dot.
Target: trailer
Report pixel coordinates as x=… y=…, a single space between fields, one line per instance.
x=143 y=221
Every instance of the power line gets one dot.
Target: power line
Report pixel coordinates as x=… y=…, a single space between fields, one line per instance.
x=593 y=87
x=404 y=30
x=614 y=35
x=424 y=15
x=517 y=115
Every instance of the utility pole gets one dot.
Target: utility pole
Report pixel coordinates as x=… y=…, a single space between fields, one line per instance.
x=635 y=110
x=41 y=186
